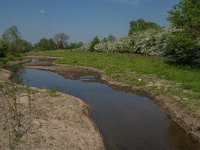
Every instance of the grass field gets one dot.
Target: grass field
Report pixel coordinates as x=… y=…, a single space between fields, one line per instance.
x=121 y=66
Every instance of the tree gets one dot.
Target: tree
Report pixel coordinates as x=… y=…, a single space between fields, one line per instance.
x=12 y=37
x=142 y=25
x=94 y=42
x=3 y=49
x=46 y=44
x=183 y=46
x=61 y=40
x=24 y=46
x=111 y=38
x=186 y=15
x=75 y=45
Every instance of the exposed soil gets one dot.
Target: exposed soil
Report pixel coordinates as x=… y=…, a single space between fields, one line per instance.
x=167 y=103
x=12 y=63
x=46 y=119
x=5 y=74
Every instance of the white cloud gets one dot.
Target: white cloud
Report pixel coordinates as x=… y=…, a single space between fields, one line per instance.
x=42 y=11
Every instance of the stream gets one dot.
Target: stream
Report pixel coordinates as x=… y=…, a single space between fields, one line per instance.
x=125 y=120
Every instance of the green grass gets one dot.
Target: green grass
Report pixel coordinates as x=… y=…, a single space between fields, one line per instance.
x=115 y=64
x=119 y=66
x=10 y=58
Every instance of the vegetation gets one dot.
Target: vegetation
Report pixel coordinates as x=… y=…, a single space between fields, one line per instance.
x=61 y=40
x=93 y=43
x=149 y=42
x=141 y=25
x=185 y=15
x=3 y=49
x=183 y=48
x=16 y=121
x=184 y=45
x=139 y=59
x=45 y=44
x=180 y=42
x=118 y=64
x=14 y=42
x=182 y=82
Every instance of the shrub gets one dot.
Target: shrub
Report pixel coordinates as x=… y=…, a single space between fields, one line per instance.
x=149 y=42
x=94 y=42
x=123 y=45
x=3 y=49
x=182 y=48
x=152 y=42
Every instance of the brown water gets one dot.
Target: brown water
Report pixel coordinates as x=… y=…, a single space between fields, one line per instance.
x=126 y=121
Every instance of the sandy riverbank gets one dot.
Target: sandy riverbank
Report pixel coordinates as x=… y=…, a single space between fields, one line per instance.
x=56 y=120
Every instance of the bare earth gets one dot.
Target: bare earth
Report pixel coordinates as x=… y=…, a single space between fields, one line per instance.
x=57 y=121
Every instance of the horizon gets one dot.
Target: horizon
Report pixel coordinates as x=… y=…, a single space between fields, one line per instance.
x=82 y=21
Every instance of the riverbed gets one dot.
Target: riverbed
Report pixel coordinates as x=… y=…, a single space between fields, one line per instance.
x=125 y=120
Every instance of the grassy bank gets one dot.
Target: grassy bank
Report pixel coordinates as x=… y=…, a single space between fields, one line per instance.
x=152 y=73
x=10 y=58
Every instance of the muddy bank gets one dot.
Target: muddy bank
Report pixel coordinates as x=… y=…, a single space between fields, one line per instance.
x=167 y=103
x=46 y=119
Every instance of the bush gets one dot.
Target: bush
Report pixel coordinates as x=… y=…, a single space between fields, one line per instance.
x=182 y=48
x=94 y=42
x=149 y=42
x=3 y=49
x=152 y=42
x=123 y=45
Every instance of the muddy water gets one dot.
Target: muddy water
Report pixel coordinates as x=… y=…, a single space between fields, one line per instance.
x=125 y=120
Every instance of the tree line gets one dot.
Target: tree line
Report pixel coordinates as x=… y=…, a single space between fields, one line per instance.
x=180 y=42
x=12 y=43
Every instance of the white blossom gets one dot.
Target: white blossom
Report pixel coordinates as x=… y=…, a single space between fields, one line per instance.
x=149 y=42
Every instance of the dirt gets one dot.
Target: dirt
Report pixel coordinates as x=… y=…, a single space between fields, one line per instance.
x=44 y=119
x=13 y=63
x=61 y=122
x=166 y=103
x=5 y=74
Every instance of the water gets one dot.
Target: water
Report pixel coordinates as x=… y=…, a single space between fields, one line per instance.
x=125 y=120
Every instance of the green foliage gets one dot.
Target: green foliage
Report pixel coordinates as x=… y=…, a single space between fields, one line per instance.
x=53 y=92
x=45 y=44
x=182 y=48
x=74 y=45
x=61 y=40
x=94 y=42
x=14 y=42
x=111 y=38
x=186 y=15
x=24 y=46
x=3 y=49
x=10 y=57
x=12 y=38
x=148 y=42
x=141 y=25
x=120 y=66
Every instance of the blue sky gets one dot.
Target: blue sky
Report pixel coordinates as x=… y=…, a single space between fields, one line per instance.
x=81 y=19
